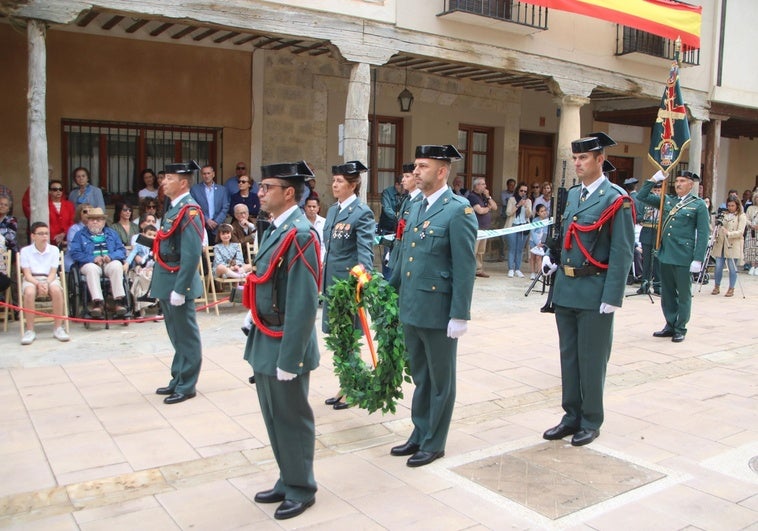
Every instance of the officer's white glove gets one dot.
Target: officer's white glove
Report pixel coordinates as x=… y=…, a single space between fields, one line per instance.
x=456 y=328
x=248 y=322
x=608 y=308
x=176 y=299
x=696 y=266
x=659 y=176
x=548 y=267
x=284 y=376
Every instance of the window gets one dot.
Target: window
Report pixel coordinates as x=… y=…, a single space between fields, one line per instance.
x=115 y=153
x=475 y=144
x=385 y=153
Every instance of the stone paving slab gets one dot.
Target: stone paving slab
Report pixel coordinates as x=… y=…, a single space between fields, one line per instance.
x=85 y=444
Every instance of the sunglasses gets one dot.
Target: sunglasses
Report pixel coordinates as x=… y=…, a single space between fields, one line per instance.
x=241 y=168
x=241 y=181
x=535 y=187
x=56 y=189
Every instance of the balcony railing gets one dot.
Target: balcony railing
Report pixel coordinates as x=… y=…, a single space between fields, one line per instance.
x=505 y=10
x=630 y=40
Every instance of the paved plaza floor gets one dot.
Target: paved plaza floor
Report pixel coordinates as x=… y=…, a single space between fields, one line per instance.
x=86 y=444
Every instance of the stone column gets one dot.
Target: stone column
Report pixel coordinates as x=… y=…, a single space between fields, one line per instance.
x=356 y=116
x=696 y=145
x=36 y=121
x=569 y=128
x=711 y=182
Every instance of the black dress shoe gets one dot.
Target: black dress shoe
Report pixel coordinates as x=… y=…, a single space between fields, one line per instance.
x=269 y=496
x=422 y=458
x=333 y=400
x=584 y=436
x=408 y=448
x=341 y=405
x=290 y=509
x=559 y=432
x=175 y=398
x=677 y=337
x=666 y=332
x=164 y=391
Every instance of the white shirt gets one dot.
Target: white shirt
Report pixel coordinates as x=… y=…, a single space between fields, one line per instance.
x=347 y=202
x=436 y=195
x=593 y=186
x=319 y=226
x=39 y=262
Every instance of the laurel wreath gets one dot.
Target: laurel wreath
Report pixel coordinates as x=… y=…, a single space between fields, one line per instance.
x=380 y=387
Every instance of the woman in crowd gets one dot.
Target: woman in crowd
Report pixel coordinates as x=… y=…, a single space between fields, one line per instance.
x=80 y=220
x=122 y=223
x=8 y=224
x=546 y=198
x=84 y=192
x=729 y=244
x=245 y=197
x=348 y=239
x=149 y=184
x=61 y=213
x=751 y=242
x=518 y=211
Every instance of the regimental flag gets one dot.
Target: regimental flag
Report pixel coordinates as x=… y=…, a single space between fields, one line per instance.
x=666 y=18
x=671 y=131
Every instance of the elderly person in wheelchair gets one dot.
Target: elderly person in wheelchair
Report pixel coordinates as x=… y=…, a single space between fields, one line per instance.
x=98 y=250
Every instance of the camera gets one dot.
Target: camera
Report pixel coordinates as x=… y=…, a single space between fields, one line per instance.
x=719 y=220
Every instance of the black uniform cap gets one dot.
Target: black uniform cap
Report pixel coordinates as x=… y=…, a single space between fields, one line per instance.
x=610 y=168
x=447 y=153
x=593 y=142
x=352 y=167
x=692 y=176
x=286 y=170
x=181 y=168
x=408 y=168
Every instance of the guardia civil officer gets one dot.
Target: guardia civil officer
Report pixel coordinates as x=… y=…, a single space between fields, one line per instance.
x=412 y=195
x=434 y=276
x=684 y=239
x=597 y=243
x=176 y=282
x=282 y=296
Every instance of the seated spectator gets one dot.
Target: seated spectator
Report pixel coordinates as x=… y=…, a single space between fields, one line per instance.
x=245 y=197
x=39 y=265
x=243 y=230
x=152 y=207
x=537 y=238
x=149 y=184
x=5 y=280
x=8 y=224
x=61 y=213
x=84 y=191
x=227 y=256
x=80 y=220
x=143 y=221
x=122 y=223
x=139 y=265
x=98 y=250
x=7 y=192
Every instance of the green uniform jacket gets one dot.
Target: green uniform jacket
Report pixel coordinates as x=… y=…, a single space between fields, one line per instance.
x=436 y=266
x=349 y=241
x=685 y=232
x=612 y=244
x=296 y=290
x=403 y=213
x=184 y=249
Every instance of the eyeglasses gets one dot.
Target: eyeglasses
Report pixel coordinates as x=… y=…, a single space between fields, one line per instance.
x=264 y=187
x=523 y=190
x=241 y=181
x=56 y=189
x=40 y=234
x=126 y=209
x=241 y=168
x=151 y=206
x=535 y=186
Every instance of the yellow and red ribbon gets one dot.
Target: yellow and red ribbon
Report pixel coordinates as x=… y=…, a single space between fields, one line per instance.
x=363 y=277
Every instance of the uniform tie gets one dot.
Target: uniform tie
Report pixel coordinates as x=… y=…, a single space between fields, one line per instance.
x=585 y=192
x=271 y=228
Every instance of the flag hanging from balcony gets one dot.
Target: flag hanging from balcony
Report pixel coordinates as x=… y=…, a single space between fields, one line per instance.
x=671 y=132
x=666 y=18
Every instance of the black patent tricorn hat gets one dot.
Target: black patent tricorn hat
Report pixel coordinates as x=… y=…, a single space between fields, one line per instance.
x=610 y=168
x=592 y=142
x=408 y=168
x=446 y=152
x=286 y=170
x=352 y=167
x=181 y=168
x=690 y=175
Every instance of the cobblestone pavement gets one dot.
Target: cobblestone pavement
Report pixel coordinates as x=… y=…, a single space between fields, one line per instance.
x=86 y=444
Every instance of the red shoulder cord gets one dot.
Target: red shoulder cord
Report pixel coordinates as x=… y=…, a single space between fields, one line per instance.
x=248 y=296
x=608 y=213
x=165 y=235
x=400 y=229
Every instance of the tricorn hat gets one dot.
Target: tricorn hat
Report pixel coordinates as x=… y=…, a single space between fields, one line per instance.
x=181 y=168
x=408 y=168
x=690 y=175
x=630 y=180
x=592 y=142
x=352 y=167
x=447 y=152
x=95 y=212
x=609 y=168
x=286 y=170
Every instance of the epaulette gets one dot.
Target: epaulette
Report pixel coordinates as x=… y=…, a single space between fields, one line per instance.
x=619 y=190
x=462 y=200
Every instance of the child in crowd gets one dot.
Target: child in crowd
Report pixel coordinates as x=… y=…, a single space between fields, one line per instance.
x=227 y=256
x=537 y=238
x=139 y=268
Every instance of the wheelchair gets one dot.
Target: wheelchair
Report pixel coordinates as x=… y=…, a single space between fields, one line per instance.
x=79 y=298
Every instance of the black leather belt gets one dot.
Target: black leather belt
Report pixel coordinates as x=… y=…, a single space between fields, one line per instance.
x=584 y=271
x=272 y=319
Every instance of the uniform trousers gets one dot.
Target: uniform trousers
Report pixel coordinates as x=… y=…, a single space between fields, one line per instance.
x=291 y=430
x=114 y=270
x=585 y=338
x=432 y=357
x=181 y=325
x=676 y=296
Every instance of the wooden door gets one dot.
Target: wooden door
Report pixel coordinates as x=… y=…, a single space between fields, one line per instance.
x=624 y=169
x=535 y=164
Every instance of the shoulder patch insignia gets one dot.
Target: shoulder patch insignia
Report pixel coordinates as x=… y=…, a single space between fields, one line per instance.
x=627 y=204
x=192 y=212
x=468 y=210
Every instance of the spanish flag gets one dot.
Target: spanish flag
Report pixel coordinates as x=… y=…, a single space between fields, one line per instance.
x=666 y=18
